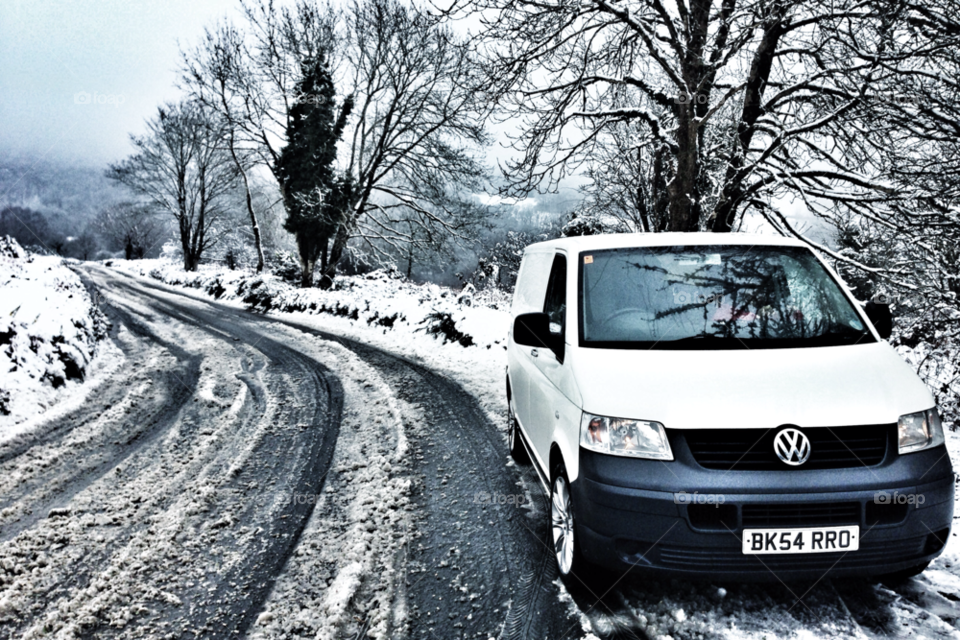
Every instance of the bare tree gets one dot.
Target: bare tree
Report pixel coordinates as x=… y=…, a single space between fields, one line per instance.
x=182 y=169
x=219 y=76
x=84 y=246
x=130 y=227
x=251 y=77
x=734 y=104
x=627 y=188
x=416 y=115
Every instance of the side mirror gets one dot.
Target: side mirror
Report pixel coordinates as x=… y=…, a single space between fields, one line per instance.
x=880 y=317
x=534 y=330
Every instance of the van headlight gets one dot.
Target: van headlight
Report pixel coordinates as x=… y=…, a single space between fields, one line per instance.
x=920 y=431
x=621 y=437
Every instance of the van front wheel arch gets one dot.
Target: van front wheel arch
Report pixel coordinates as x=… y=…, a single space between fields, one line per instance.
x=566 y=544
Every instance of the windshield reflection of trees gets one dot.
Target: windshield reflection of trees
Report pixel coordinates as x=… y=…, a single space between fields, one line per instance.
x=747 y=296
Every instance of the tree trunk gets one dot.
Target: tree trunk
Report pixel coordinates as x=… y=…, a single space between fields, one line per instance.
x=336 y=252
x=726 y=210
x=725 y=213
x=308 y=260
x=306 y=272
x=661 y=197
x=253 y=216
x=243 y=174
x=185 y=245
x=190 y=261
x=683 y=188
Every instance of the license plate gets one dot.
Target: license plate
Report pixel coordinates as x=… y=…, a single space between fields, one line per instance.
x=813 y=540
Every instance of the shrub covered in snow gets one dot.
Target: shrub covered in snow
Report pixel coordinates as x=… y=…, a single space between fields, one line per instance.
x=49 y=331
x=443 y=324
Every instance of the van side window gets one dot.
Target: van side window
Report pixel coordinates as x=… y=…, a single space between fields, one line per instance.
x=555 y=305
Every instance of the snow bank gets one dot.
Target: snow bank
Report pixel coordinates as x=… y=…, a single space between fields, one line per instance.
x=49 y=334
x=381 y=299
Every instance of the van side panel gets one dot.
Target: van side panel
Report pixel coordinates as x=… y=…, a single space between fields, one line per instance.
x=561 y=414
x=528 y=297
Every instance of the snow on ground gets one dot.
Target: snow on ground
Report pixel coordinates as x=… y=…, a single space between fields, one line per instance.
x=459 y=333
x=467 y=343
x=346 y=578
x=168 y=516
x=51 y=338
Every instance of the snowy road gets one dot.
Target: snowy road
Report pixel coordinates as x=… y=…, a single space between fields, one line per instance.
x=241 y=475
x=210 y=488
x=159 y=506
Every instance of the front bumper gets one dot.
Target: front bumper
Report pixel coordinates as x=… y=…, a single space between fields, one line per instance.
x=652 y=526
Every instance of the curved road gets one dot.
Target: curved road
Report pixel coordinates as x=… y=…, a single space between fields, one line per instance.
x=190 y=487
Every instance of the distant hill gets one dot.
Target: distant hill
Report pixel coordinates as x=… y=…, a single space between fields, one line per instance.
x=68 y=195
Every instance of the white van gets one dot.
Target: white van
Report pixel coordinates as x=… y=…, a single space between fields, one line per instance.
x=720 y=406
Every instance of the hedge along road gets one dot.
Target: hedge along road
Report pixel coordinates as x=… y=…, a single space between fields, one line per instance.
x=239 y=475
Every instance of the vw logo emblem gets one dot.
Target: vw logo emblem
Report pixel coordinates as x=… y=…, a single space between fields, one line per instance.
x=792 y=447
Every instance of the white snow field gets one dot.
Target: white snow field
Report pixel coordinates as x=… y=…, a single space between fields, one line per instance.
x=52 y=347
x=395 y=315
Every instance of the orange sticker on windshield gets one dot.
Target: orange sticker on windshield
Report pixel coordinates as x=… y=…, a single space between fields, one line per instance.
x=587 y=259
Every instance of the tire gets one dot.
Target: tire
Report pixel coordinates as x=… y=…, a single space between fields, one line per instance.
x=566 y=546
x=904 y=574
x=517 y=449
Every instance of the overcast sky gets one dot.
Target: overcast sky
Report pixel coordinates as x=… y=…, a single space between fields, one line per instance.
x=77 y=77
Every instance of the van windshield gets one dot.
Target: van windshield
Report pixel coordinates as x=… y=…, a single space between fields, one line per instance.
x=713 y=297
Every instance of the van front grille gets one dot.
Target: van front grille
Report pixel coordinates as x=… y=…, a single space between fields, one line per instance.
x=752 y=449
x=800 y=515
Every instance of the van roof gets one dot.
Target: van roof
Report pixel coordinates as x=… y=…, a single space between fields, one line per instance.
x=627 y=240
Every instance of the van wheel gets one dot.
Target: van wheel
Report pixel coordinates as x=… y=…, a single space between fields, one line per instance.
x=517 y=450
x=566 y=547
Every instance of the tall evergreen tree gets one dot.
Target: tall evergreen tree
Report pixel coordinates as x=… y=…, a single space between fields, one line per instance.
x=313 y=193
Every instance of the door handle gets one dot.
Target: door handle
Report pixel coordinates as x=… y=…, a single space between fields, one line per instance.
x=534 y=353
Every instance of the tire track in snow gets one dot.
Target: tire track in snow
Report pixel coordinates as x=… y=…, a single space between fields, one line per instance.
x=194 y=517
x=231 y=606
x=76 y=468
x=478 y=570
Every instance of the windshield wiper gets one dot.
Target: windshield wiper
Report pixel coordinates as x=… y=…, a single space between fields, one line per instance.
x=703 y=341
x=699 y=336
x=843 y=331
